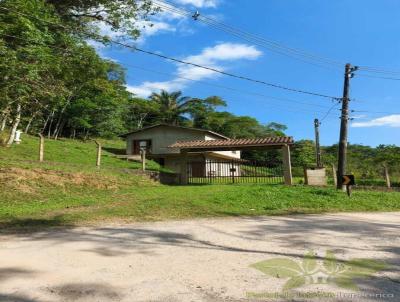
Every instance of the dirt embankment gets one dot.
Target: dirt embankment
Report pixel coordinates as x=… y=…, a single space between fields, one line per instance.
x=29 y=181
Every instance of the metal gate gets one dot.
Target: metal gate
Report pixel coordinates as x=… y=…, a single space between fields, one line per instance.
x=233 y=171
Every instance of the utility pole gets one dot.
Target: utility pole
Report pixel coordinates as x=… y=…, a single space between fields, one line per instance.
x=342 y=156
x=317 y=145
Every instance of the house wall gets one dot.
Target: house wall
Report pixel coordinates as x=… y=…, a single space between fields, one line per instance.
x=162 y=137
x=174 y=163
x=234 y=154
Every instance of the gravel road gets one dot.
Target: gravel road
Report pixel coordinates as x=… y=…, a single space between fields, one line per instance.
x=204 y=260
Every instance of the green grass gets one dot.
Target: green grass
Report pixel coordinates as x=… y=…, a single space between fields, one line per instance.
x=68 y=154
x=69 y=190
x=136 y=199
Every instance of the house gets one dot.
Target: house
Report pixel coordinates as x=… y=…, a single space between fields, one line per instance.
x=157 y=140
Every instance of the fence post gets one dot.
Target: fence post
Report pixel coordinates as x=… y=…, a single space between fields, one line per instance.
x=41 y=147
x=334 y=175
x=387 y=176
x=98 y=159
x=287 y=166
x=233 y=171
x=183 y=168
x=143 y=156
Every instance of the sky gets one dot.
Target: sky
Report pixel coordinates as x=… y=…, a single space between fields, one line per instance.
x=360 y=32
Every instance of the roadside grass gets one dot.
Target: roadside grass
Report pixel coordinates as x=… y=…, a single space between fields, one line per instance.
x=131 y=198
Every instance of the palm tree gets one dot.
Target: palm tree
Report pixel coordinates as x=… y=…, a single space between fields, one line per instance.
x=172 y=106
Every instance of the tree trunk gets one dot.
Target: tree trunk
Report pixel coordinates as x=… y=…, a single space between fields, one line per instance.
x=45 y=124
x=4 y=118
x=3 y=123
x=60 y=118
x=59 y=130
x=73 y=133
x=51 y=124
x=15 y=125
x=30 y=121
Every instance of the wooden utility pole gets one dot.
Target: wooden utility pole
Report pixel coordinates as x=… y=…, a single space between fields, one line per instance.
x=317 y=145
x=41 y=147
x=342 y=157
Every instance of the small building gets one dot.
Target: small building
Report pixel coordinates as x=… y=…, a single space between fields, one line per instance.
x=157 y=139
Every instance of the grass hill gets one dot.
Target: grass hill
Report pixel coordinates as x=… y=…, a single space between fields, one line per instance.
x=69 y=153
x=68 y=189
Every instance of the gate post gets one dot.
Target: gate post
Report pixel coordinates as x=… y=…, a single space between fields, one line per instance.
x=184 y=168
x=287 y=166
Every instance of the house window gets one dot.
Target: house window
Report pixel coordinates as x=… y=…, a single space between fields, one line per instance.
x=141 y=144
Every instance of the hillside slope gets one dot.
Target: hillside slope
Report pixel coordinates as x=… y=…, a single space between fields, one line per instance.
x=68 y=153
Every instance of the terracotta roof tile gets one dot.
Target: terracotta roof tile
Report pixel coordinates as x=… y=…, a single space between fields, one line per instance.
x=241 y=142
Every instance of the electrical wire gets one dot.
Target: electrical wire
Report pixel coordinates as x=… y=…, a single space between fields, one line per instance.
x=270 y=44
x=328 y=112
x=245 y=78
x=211 y=21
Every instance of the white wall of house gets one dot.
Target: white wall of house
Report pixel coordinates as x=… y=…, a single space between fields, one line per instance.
x=234 y=154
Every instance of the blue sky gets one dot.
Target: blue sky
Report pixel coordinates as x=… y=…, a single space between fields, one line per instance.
x=361 y=32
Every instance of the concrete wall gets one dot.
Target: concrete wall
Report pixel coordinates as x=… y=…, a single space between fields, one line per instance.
x=315 y=177
x=174 y=163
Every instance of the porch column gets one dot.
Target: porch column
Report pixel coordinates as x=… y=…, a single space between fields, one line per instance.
x=183 y=168
x=287 y=166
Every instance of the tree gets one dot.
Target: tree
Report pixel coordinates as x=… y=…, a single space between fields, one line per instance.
x=86 y=18
x=201 y=111
x=172 y=106
x=303 y=153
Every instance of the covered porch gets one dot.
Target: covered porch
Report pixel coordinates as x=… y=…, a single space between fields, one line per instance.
x=269 y=143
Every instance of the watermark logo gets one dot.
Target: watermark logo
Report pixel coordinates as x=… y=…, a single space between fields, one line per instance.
x=320 y=270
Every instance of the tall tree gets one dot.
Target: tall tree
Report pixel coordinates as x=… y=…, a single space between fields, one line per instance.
x=173 y=106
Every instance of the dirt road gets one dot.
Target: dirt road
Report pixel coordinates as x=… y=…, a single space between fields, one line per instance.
x=208 y=260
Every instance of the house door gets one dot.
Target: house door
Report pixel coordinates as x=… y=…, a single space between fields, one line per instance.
x=135 y=147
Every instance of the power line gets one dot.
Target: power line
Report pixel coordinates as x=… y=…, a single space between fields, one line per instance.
x=328 y=112
x=225 y=73
x=266 y=97
x=278 y=86
x=135 y=48
x=227 y=87
x=207 y=83
x=267 y=43
x=378 y=77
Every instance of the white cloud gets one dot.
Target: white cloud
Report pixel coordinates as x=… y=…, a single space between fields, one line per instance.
x=152 y=28
x=147 y=29
x=211 y=57
x=199 y=3
x=388 y=121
